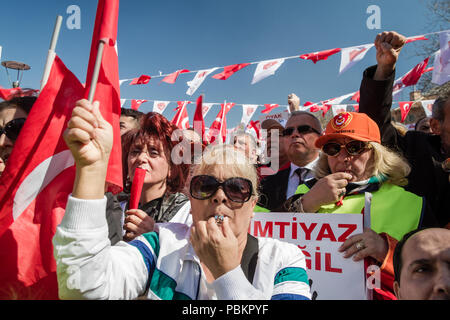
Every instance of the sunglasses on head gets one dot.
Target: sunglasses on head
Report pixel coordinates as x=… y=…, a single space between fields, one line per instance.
x=12 y=128
x=353 y=148
x=300 y=129
x=236 y=189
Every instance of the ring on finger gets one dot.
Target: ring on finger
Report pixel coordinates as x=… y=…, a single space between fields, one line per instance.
x=360 y=245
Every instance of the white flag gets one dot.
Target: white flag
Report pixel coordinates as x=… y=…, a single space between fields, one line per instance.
x=198 y=80
x=338 y=108
x=248 y=110
x=122 y=102
x=0 y=52
x=441 y=71
x=352 y=55
x=266 y=68
x=205 y=108
x=339 y=100
x=427 y=106
x=160 y=106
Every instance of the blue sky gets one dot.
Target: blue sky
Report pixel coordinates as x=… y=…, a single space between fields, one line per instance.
x=167 y=35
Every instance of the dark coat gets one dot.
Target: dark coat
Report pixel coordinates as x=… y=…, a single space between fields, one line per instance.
x=273 y=190
x=423 y=151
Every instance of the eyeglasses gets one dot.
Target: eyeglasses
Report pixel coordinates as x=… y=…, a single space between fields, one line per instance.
x=12 y=128
x=300 y=129
x=236 y=189
x=353 y=148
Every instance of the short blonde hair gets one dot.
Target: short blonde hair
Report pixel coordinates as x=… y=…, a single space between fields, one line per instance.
x=237 y=164
x=383 y=161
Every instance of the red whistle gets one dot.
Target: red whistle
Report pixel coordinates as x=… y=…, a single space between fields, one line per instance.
x=340 y=202
x=136 y=187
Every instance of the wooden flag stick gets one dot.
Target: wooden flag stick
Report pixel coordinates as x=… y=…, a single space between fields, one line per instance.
x=51 y=52
x=98 y=62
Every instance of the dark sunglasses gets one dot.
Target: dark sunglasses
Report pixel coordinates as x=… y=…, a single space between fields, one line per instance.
x=301 y=129
x=236 y=189
x=12 y=128
x=353 y=148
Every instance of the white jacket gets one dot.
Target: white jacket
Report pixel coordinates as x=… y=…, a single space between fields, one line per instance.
x=162 y=264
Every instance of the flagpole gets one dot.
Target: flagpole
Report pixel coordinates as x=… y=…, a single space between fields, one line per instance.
x=51 y=52
x=221 y=121
x=98 y=62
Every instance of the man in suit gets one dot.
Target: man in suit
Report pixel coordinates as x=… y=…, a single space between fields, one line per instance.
x=300 y=134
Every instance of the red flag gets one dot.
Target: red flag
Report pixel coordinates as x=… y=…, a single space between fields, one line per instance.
x=269 y=107
x=136 y=187
x=322 y=55
x=325 y=108
x=413 y=76
x=199 y=121
x=228 y=71
x=34 y=188
x=219 y=126
x=136 y=103
x=171 y=78
x=256 y=126
x=143 y=79
x=7 y=94
x=181 y=119
x=108 y=90
x=355 y=97
x=405 y=107
x=412 y=39
x=356 y=107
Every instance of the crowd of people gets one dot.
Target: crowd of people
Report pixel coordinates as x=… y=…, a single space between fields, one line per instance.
x=188 y=238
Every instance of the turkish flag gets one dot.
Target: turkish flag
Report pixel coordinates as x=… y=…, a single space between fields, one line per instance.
x=199 y=121
x=269 y=107
x=160 y=106
x=108 y=90
x=181 y=118
x=325 y=108
x=219 y=125
x=355 y=96
x=143 y=79
x=228 y=71
x=405 y=107
x=7 y=94
x=34 y=188
x=136 y=103
x=171 y=78
x=255 y=125
x=322 y=55
x=412 y=39
x=413 y=76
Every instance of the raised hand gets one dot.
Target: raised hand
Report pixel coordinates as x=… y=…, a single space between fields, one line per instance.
x=388 y=46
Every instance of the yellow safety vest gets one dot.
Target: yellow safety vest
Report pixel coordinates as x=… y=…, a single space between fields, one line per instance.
x=394 y=210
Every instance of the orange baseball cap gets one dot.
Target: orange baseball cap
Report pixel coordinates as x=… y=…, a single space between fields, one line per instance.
x=353 y=125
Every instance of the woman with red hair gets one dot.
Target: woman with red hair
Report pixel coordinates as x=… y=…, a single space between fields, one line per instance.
x=150 y=148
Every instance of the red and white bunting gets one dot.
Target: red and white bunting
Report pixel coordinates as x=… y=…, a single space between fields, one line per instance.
x=405 y=107
x=338 y=108
x=266 y=68
x=415 y=38
x=181 y=118
x=228 y=71
x=122 y=102
x=427 y=106
x=320 y=55
x=136 y=103
x=160 y=106
x=270 y=107
x=350 y=56
x=248 y=110
x=143 y=79
x=171 y=78
x=195 y=83
x=413 y=76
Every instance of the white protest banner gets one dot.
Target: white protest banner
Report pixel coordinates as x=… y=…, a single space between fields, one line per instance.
x=319 y=236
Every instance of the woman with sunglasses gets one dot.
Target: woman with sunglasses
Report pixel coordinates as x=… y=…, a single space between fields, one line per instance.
x=13 y=114
x=150 y=148
x=214 y=259
x=352 y=165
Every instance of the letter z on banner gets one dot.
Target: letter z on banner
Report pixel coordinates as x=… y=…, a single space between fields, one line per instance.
x=319 y=236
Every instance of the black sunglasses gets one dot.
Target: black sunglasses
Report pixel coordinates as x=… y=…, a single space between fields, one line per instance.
x=301 y=129
x=236 y=189
x=353 y=148
x=12 y=128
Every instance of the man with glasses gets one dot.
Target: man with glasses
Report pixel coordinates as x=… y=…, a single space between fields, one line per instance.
x=13 y=113
x=299 y=136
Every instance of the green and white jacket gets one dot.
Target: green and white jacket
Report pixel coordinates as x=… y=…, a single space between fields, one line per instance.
x=162 y=264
